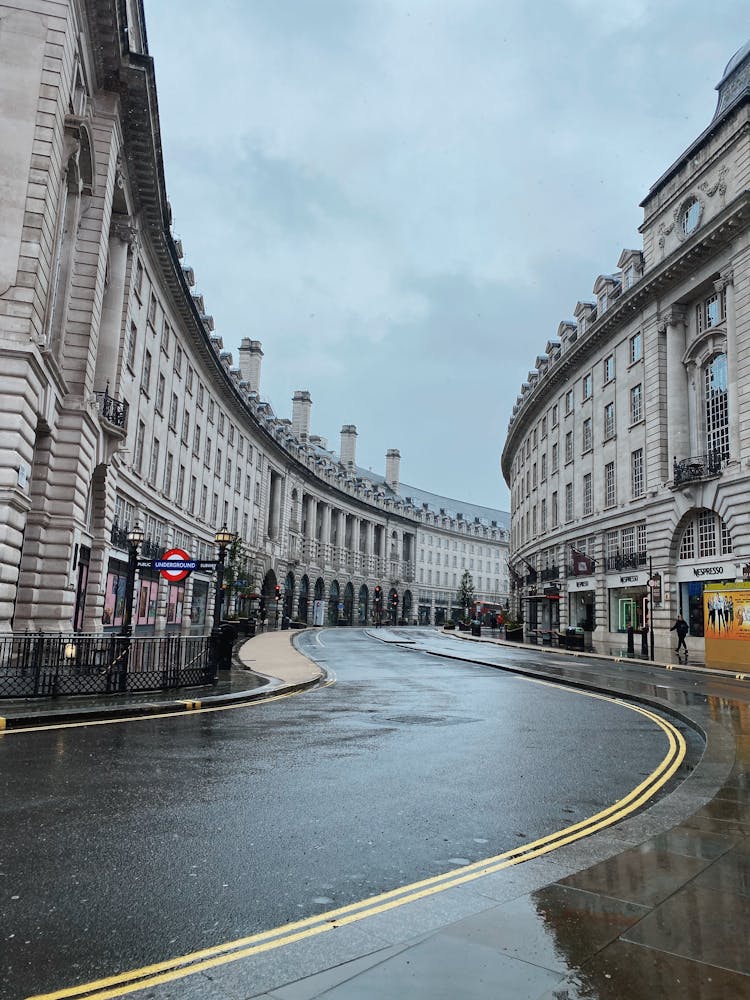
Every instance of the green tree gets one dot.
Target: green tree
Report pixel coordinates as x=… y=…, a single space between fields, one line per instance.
x=234 y=569
x=465 y=594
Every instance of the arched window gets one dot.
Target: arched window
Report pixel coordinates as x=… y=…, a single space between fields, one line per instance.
x=716 y=412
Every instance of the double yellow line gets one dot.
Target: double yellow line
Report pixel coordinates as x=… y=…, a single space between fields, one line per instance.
x=246 y=947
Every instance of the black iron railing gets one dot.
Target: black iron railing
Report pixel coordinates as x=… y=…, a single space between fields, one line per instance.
x=119 y=536
x=42 y=665
x=699 y=467
x=629 y=560
x=114 y=411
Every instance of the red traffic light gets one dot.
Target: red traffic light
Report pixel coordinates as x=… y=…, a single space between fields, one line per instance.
x=394 y=598
x=278 y=592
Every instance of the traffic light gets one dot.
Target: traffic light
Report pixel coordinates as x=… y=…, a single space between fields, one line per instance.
x=378 y=595
x=394 y=599
x=277 y=595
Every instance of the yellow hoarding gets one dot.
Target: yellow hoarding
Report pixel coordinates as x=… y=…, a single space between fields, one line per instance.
x=726 y=623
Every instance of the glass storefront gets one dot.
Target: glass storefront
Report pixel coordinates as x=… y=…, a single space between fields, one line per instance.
x=114 y=597
x=199 y=604
x=581 y=609
x=627 y=607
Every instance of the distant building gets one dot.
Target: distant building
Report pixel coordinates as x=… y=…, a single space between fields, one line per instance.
x=120 y=404
x=628 y=448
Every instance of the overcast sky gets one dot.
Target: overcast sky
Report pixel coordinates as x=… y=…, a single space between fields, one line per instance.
x=401 y=199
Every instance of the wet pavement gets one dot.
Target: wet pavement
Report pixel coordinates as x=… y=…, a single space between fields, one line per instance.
x=655 y=906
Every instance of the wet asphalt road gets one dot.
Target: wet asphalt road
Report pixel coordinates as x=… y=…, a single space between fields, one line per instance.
x=127 y=844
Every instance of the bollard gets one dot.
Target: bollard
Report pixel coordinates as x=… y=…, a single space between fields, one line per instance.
x=644 y=641
x=631 y=641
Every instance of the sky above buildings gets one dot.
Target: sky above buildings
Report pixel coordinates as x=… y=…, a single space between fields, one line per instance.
x=401 y=200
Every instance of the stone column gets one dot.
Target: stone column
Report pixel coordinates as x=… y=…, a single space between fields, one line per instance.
x=678 y=424
x=121 y=238
x=726 y=284
x=357 y=561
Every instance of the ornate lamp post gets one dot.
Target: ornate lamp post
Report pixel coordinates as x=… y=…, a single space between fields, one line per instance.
x=135 y=538
x=223 y=538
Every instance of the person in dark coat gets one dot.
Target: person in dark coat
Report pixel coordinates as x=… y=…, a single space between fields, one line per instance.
x=681 y=628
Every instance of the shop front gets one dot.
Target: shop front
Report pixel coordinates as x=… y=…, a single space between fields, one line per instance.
x=692 y=581
x=199 y=604
x=582 y=603
x=726 y=610
x=543 y=610
x=114 y=598
x=627 y=595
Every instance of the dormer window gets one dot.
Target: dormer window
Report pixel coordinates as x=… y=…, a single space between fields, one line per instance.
x=602 y=303
x=629 y=275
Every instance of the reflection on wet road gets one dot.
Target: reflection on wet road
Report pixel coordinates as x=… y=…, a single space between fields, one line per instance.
x=129 y=844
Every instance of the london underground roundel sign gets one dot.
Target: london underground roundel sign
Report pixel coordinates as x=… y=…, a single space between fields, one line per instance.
x=179 y=557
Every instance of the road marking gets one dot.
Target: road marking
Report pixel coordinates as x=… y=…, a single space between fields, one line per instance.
x=231 y=951
x=175 y=714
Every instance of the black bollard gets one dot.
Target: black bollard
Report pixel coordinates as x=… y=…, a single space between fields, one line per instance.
x=631 y=641
x=644 y=641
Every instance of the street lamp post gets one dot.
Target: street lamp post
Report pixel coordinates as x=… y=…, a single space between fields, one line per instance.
x=135 y=538
x=223 y=539
x=651 y=605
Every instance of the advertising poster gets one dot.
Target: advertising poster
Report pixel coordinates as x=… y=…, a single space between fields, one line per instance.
x=726 y=611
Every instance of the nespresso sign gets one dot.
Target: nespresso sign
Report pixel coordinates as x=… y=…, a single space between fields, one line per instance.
x=703 y=572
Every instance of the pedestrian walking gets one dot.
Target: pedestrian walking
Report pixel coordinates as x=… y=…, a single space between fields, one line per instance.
x=681 y=628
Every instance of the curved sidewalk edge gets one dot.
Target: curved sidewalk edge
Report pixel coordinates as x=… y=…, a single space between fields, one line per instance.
x=285 y=670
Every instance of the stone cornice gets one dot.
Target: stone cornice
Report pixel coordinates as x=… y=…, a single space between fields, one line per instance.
x=714 y=236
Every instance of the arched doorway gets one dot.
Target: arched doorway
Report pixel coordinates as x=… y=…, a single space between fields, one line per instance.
x=348 y=603
x=333 y=603
x=364 y=596
x=304 y=590
x=319 y=607
x=267 y=595
x=289 y=596
x=406 y=606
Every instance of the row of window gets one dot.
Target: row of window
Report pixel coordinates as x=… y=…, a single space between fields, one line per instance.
x=552 y=418
x=426 y=576
x=539 y=471
x=545 y=516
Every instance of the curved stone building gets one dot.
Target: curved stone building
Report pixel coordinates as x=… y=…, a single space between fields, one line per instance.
x=627 y=451
x=121 y=405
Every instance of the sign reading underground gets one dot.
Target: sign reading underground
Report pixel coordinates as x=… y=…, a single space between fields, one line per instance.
x=175 y=565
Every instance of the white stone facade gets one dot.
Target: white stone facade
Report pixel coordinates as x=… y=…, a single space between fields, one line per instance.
x=627 y=450
x=120 y=404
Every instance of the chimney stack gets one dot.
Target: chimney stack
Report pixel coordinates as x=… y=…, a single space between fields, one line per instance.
x=250 y=358
x=348 y=454
x=301 y=406
x=393 y=468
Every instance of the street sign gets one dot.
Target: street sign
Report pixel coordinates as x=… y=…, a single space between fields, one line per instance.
x=175 y=565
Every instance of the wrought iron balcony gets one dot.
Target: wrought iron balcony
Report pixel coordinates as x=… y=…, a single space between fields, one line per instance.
x=119 y=535
x=699 y=467
x=630 y=560
x=114 y=411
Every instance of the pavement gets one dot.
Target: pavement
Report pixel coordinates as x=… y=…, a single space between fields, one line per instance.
x=655 y=906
